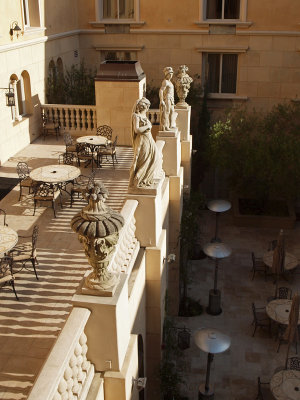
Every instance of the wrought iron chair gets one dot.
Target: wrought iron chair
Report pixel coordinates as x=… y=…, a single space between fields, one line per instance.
x=281 y=339
x=260 y=319
x=24 y=179
x=66 y=158
x=25 y=251
x=104 y=130
x=258 y=266
x=50 y=127
x=84 y=153
x=2 y=212
x=263 y=390
x=80 y=184
x=109 y=150
x=70 y=146
x=284 y=293
x=46 y=193
x=6 y=274
x=294 y=363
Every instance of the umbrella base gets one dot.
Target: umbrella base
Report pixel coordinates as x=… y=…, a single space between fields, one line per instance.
x=205 y=394
x=214 y=305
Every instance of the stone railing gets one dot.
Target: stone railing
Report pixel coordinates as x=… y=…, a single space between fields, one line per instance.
x=75 y=119
x=153 y=116
x=128 y=245
x=67 y=374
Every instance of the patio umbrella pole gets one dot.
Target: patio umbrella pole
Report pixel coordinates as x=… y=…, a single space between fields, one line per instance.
x=216 y=277
x=210 y=358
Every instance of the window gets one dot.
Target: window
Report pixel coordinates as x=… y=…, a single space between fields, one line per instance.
x=118 y=9
x=220 y=71
x=31 y=13
x=223 y=9
x=22 y=90
x=110 y=55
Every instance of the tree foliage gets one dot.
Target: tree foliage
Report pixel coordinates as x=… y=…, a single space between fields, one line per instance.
x=75 y=86
x=260 y=151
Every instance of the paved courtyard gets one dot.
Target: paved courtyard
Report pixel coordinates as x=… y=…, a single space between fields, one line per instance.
x=234 y=372
x=28 y=328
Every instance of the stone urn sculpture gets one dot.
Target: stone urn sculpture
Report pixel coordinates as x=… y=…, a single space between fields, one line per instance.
x=98 y=228
x=182 y=83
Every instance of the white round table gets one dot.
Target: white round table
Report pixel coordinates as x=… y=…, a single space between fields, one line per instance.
x=290 y=261
x=279 y=311
x=285 y=385
x=8 y=239
x=55 y=173
x=93 y=140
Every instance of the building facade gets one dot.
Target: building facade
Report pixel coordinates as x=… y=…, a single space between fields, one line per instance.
x=246 y=52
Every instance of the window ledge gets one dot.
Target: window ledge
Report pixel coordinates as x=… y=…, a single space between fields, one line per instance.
x=119 y=48
x=231 y=49
x=238 y=23
x=33 y=30
x=226 y=96
x=102 y=23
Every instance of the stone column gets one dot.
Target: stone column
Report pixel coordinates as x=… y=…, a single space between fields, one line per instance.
x=118 y=85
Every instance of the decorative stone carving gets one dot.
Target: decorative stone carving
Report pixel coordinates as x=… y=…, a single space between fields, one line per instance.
x=182 y=83
x=98 y=229
x=168 y=114
x=146 y=157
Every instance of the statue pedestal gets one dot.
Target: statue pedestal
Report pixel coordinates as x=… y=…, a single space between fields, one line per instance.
x=108 y=325
x=148 y=214
x=171 y=151
x=183 y=121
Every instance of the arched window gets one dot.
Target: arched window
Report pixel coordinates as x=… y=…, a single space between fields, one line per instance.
x=26 y=93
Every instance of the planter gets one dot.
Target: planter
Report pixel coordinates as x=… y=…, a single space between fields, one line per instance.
x=263 y=221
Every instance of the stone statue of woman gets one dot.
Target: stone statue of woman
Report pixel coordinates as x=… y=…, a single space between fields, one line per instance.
x=146 y=161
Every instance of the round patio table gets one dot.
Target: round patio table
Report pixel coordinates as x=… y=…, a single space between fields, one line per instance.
x=55 y=174
x=290 y=261
x=94 y=142
x=279 y=311
x=8 y=239
x=285 y=385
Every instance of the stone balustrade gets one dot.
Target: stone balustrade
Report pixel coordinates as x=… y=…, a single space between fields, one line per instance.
x=153 y=116
x=67 y=374
x=75 y=119
x=128 y=245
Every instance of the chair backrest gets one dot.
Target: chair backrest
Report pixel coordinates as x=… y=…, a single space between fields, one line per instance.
x=2 y=212
x=284 y=293
x=44 y=190
x=104 y=130
x=66 y=158
x=114 y=144
x=68 y=139
x=23 y=170
x=294 y=363
x=5 y=267
x=34 y=238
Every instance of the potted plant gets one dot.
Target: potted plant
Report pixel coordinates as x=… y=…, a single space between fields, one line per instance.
x=260 y=154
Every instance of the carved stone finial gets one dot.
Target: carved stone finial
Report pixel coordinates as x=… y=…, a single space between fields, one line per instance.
x=98 y=228
x=182 y=83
